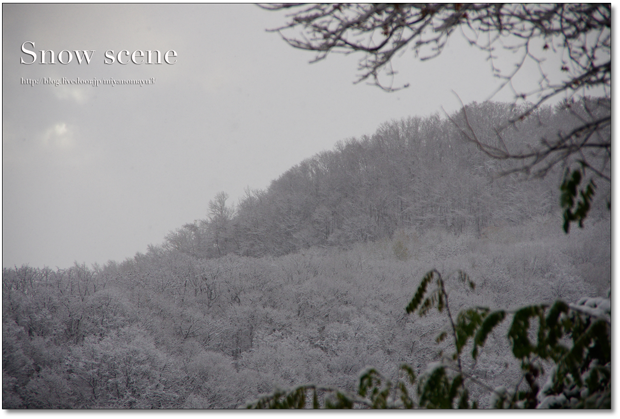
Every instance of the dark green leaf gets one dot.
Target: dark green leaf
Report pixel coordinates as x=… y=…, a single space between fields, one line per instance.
x=489 y=323
x=419 y=294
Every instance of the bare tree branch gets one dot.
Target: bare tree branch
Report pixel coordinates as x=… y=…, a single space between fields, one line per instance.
x=581 y=32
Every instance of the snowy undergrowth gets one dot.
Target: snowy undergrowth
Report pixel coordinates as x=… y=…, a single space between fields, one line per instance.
x=231 y=328
x=513 y=266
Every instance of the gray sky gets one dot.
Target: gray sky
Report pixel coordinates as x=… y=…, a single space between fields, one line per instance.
x=92 y=174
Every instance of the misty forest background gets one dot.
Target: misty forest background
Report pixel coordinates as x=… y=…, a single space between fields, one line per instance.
x=307 y=281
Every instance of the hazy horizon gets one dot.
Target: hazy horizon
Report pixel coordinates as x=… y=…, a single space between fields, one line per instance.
x=92 y=174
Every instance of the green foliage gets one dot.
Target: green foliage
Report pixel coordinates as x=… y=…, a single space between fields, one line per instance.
x=556 y=326
x=575 y=339
x=370 y=385
x=489 y=323
x=518 y=334
x=419 y=294
x=575 y=211
x=463 y=277
x=435 y=390
x=467 y=323
x=375 y=391
x=295 y=399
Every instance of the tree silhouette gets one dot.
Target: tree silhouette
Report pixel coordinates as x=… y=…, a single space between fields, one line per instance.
x=580 y=33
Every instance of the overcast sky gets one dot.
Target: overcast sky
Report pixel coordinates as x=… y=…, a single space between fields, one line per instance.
x=92 y=174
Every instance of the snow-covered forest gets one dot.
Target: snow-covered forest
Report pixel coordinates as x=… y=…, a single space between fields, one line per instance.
x=307 y=281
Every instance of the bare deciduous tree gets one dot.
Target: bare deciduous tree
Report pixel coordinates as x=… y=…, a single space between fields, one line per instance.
x=579 y=33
